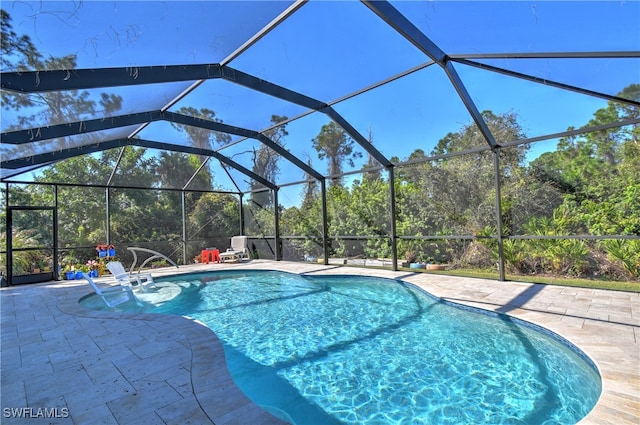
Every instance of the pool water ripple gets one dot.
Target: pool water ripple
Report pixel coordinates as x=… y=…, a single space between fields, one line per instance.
x=356 y=350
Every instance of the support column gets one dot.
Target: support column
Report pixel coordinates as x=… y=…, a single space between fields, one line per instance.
x=325 y=226
x=276 y=217
x=7 y=230
x=184 y=228
x=496 y=172
x=392 y=212
x=56 y=251
x=107 y=230
x=241 y=214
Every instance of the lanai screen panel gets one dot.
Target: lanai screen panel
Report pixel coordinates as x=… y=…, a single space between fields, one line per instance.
x=397 y=125
x=605 y=75
x=536 y=108
x=459 y=27
x=329 y=51
x=141 y=33
x=231 y=103
x=60 y=107
x=71 y=145
x=326 y=50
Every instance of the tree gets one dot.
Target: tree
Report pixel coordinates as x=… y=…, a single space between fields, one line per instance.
x=456 y=195
x=202 y=137
x=338 y=218
x=597 y=172
x=213 y=215
x=174 y=170
x=265 y=162
x=81 y=218
x=593 y=181
x=461 y=189
x=18 y=52
x=369 y=215
x=310 y=193
x=81 y=209
x=372 y=164
x=334 y=144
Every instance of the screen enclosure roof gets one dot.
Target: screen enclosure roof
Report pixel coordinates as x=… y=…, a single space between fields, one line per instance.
x=216 y=78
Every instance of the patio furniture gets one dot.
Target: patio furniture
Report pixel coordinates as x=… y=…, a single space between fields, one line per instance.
x=144 y=281
x=155 y=255
x=210 y=254
x=113 y=295
x=238 y=250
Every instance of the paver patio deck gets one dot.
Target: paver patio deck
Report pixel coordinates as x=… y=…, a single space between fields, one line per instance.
x=124 y=368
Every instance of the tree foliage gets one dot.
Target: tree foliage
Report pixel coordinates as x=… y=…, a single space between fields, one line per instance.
x=265 y=162
x=334 y=144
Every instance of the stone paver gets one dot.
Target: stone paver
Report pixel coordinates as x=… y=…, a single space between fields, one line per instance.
x=90 y=367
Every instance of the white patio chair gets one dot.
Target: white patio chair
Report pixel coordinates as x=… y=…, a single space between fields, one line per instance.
x=144 y=281
x=238 y=250
x=113 y=295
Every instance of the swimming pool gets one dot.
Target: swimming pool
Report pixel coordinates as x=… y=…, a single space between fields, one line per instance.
x=356 y=350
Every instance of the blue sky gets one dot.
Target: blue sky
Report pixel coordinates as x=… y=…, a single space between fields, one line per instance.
x=329 y=49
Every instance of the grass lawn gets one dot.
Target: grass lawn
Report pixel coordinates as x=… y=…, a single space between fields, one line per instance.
x=630 y=286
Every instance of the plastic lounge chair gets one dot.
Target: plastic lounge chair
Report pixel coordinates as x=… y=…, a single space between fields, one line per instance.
x=238 y=250
x=113 y=295
x=143 y=282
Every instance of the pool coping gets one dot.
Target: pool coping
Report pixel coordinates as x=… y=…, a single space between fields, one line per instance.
x=603 y=324
x=213 y=387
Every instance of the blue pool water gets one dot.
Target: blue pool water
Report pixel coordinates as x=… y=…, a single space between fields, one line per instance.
x=360 y=350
